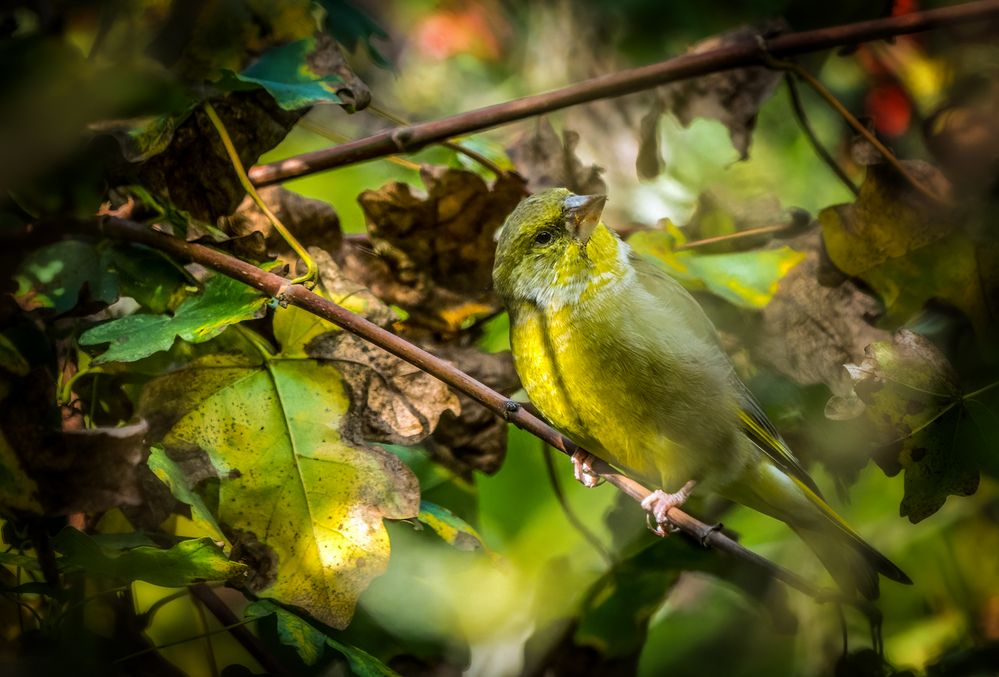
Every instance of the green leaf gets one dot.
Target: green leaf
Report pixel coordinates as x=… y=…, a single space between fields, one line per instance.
x=908 y=250
x=310 y=642
x=450 y=527
x=285 y=73
x=11 y=359
x=13 y=559
x=920 y=421
x=362 y=664
x=170 y=474
x=292 y=630
x=148 y=276
x=617 y=609
x=291 y=486
x=55 y=276
x=222 y=302
x=294 y=328
x=142 y=138
x=190 y=561
x=746 y=279
x=349 y=26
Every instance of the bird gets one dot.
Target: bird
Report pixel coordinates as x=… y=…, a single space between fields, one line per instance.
x=623 y=361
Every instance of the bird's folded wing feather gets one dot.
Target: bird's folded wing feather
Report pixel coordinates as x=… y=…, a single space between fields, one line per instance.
x=755 y=424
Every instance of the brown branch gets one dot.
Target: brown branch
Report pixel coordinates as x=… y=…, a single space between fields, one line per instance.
x=240 y=633
x=297 y=295
x=413 y=137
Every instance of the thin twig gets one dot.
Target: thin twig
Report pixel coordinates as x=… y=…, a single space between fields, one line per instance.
x=447 y=143
x=297 y=295
x=237 y=628
x=570 y=514
x=806 y=127
x=851 y=119
x=738 y=235
x=322 y=131
x=414 y=137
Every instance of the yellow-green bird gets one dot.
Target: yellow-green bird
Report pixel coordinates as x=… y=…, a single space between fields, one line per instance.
x=621 y=359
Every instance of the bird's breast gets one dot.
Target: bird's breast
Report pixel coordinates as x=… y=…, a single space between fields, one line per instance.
x=605 y=380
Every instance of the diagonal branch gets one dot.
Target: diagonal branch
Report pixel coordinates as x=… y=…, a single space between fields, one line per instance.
x=297 y=295
x=413 y=137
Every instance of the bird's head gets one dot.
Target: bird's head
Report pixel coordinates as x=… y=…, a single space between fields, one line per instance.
x=551 y=245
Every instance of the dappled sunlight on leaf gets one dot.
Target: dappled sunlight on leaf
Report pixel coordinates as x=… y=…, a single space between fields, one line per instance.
x=909 y=251
x=307 y=500
x=221 y=303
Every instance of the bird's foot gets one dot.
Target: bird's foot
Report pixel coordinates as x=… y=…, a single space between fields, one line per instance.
x=658 y=503
x=582 y=469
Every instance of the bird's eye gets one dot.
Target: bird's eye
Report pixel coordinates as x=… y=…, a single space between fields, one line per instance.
x=544 y=237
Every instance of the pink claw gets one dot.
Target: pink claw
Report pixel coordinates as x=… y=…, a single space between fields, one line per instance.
x=659 y=503
x=582 y=469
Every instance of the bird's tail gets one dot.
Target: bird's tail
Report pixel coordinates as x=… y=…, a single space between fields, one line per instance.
x=853 y=563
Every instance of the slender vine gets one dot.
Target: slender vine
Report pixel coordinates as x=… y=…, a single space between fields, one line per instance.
x=311 y=270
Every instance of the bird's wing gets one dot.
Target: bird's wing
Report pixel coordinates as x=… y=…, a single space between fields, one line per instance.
x=755 y=424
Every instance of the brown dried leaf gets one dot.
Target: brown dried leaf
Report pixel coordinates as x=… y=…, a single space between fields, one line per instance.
x=391 y=400
x=963 y=135
x=548 y=161
x=732 y=97
x=350 y=294
x=649 y=163
x=328 y=59
x=433 y=255
x=477 y=439
x=313 y=222
x=64 y=471
x=194 y=173
x=810 y=329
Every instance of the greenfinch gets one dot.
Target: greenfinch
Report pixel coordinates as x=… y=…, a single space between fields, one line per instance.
x=623 y=361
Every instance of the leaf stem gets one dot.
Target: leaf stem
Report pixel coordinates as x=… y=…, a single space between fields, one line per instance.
x=980 y=391
x=799 y=112
x=570 y=514
x=738 y=235
x=310 y=266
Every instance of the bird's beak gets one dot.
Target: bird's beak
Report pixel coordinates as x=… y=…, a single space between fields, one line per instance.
x=582 y=213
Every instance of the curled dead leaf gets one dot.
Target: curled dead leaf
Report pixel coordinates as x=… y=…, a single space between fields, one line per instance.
x=733 y=97
x=391 y=400
x=432 y=254
x=549 y=161
x=812 y=327
x=476 y=440
x=313 y=222
x=328 y=59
